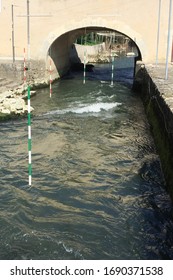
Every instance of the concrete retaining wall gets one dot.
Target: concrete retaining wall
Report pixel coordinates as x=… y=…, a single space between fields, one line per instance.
x=160 y=117
x=10 y=71
x=37 y=73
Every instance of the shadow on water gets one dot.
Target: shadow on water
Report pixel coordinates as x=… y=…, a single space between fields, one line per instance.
x=123 y=71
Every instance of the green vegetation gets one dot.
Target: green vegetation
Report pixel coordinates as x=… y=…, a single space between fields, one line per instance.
x=89 y=39
x=6 y=117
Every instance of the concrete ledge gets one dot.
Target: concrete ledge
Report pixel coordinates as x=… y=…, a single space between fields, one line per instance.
x=157 y=96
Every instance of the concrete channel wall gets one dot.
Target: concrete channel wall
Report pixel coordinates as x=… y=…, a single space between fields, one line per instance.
x=10 y=71
x=37 y=72
x=157 y=96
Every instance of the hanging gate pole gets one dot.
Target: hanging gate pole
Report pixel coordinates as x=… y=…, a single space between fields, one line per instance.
x=24 y=67
x=50 y=70
x=112 y=76
x=29 y=138
x=168 y=39
x=84 y=72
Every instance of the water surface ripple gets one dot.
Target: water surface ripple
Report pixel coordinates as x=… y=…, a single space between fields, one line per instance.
x=98 y=190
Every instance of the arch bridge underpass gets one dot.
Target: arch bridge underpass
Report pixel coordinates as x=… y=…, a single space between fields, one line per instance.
x=49 y=28
x=64 y=52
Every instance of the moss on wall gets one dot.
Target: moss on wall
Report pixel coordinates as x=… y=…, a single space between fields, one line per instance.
x=160 y=119
x=163 y=146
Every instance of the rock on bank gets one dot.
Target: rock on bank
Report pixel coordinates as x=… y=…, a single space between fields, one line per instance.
x=13 y=103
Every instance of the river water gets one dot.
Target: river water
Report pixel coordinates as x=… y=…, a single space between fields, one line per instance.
x=97 y=188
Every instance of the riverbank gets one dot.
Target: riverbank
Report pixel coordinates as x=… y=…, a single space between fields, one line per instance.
x=13 y=92
x=13 y=102
x=157 y=95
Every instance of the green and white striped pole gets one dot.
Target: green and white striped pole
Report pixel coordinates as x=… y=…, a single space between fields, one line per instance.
x=112 y=76
x=29 y=138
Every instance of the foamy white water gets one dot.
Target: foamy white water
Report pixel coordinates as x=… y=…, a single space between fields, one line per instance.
x=95 y=108
x=89 y=108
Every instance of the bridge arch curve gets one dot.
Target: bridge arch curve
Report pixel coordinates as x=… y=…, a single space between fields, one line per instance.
x=58 y=43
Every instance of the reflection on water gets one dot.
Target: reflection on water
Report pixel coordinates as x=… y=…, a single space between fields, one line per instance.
x=98 y=190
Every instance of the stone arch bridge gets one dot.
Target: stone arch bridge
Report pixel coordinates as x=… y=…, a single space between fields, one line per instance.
x=44 y=25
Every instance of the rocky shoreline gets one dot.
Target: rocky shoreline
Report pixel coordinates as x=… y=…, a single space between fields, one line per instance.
x=13 y=102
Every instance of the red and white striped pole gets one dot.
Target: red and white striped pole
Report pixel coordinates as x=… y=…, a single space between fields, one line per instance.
x=50 y=70
x=24 y=67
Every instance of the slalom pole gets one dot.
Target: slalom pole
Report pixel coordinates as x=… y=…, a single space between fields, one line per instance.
x=112 y=76
x=29 y=138
x=50 y=83
x=84 y=72
x=168 y=39
x=24 y=67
